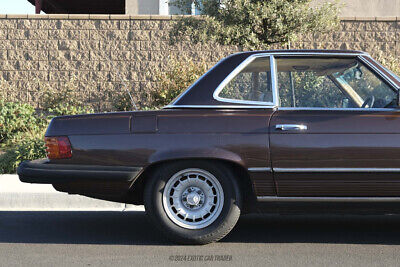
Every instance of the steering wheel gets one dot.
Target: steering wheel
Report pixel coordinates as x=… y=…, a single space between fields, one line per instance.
x=369 y=101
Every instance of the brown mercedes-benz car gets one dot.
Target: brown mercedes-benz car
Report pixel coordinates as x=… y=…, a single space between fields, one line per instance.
x=265 y=131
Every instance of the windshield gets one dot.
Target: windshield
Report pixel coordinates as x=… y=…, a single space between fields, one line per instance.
x=366 y=85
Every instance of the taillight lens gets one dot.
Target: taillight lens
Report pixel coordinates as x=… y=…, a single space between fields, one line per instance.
x=58 y=147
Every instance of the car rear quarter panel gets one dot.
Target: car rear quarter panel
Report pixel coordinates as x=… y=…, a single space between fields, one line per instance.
x=145 y=138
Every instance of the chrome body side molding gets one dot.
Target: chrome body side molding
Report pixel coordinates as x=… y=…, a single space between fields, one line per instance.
x=260 y=169
x=336 y=169
x=327 y=199
x=268 y=169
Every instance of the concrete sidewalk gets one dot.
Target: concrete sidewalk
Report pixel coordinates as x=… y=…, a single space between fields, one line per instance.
x=17 y=196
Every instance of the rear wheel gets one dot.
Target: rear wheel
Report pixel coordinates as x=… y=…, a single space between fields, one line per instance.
x=193 y=202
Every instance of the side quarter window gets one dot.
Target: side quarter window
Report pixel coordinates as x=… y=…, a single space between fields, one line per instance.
x=253 y=83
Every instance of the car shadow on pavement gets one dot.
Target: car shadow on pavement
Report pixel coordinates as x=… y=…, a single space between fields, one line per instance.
x=133 y=228
x=334 y=229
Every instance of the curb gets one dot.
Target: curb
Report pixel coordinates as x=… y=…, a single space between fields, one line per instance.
x=18 y=196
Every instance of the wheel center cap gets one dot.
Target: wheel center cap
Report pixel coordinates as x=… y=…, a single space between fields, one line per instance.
x=193 y=199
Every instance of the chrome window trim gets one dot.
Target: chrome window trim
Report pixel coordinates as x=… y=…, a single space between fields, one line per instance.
x=327 y=199
x=234 y=73
x=369 y=64
x=220 y=106
x=302 y=54
x=336 y=170
x=259 y=169
x=275 y=92
x=378 y=71
x=274 y=82
x=387 y=70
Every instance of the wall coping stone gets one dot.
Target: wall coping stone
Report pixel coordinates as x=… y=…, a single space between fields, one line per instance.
x=149 y=17
x=17 y=16
x=78 y=16
x=99 y=16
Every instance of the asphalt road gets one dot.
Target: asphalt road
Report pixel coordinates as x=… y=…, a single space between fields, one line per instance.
x=126 y=239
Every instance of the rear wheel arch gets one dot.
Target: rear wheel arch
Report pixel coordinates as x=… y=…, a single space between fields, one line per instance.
x=240 y=173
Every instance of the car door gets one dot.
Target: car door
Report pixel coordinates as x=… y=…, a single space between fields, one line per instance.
x=336 y=132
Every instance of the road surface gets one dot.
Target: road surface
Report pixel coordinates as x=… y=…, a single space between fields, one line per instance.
x=127 y=239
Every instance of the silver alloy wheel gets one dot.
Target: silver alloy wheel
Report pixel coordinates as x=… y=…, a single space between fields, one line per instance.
x=193 y=198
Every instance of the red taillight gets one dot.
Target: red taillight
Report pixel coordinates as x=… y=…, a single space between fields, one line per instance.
x=58 y=147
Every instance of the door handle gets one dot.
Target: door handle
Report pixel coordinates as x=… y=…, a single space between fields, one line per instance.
x=291 y=127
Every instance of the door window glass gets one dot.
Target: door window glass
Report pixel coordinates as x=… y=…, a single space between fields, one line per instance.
x=330 y=83
x=308 y=89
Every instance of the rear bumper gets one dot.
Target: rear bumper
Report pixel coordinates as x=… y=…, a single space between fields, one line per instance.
x=42 y=172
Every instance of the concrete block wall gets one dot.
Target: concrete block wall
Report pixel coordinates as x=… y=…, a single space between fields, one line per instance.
x=85 y=51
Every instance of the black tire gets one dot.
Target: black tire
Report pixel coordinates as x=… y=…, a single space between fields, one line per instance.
x=223 y=224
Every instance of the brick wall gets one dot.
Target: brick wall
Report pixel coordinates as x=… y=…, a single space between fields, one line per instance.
x=42 y=51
